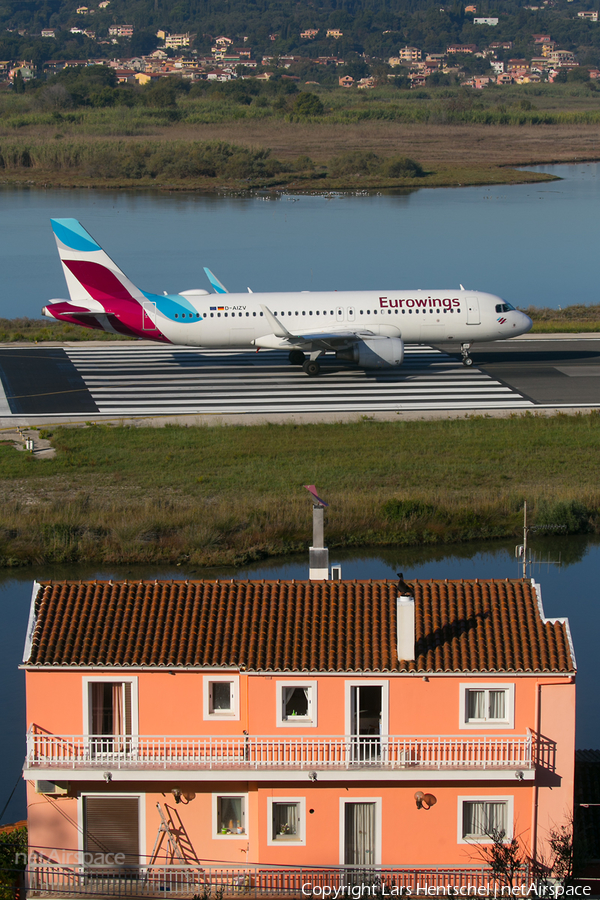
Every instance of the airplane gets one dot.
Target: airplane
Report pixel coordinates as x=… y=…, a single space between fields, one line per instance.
x=369 y=328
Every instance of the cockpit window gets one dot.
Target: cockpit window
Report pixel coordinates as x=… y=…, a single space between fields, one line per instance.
x=503 y=307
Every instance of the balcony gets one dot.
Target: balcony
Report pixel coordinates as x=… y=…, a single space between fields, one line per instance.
x=281 y=758
x=230 y=881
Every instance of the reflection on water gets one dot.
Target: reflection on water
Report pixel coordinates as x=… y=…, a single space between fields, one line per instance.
x=570 y=590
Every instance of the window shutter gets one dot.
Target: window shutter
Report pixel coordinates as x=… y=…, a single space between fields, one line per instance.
x=112 y=826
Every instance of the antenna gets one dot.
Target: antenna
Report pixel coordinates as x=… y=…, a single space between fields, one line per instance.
x=522 y=551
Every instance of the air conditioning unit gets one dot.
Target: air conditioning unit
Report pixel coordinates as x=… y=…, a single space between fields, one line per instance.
x=52 y=788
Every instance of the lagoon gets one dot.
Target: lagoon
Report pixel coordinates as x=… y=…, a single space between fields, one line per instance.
x=531 y=244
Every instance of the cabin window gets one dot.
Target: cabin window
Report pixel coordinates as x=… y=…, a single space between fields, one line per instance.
x=247 y=314
x=310 y=312
x=296 y=703
x=254 y=314
x=221 y=696
x=286 y=820
x=317 y=312
x=487 y=705
x=229 y=815
x=176 y=315
x=374 y=312
x=484 y=819
x=303 y=313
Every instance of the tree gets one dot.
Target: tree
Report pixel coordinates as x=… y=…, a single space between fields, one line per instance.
x=307 y=104
x=506 y=858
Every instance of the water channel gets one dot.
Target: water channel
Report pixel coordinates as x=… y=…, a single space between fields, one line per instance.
x=532 y=244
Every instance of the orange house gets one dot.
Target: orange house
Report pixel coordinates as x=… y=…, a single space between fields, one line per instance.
x=266 y=735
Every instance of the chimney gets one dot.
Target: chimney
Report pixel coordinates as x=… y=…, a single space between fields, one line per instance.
x=318 y=554
x=405 y=626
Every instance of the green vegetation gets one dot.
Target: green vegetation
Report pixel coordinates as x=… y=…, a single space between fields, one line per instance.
x=570 y=320
x=13 y=856
x=38 y=330
x=77 y=103
x=229 y=495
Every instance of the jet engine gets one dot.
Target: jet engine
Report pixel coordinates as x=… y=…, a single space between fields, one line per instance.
x=375 y=353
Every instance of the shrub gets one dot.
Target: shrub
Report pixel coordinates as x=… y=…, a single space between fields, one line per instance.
x=571 y=516
x=401 y=510
x=402 y=167
x=307 y=104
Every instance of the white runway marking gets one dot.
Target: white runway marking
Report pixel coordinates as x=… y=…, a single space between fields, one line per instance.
x=127 y=380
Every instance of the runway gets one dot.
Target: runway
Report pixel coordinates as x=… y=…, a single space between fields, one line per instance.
x=143 y=379
x=126 y=379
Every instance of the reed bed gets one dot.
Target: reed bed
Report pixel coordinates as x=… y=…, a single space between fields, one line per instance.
x=229 y=495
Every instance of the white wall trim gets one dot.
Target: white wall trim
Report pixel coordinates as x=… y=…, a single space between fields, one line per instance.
x=215 y=817
x=301 y=839
x=377 y=802
x=498 y=798
x=87 y=680
x=234 y=713
x=300 y=722
x=507 y=723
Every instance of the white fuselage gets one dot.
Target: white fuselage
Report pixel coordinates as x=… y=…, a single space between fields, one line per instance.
x=237 y=320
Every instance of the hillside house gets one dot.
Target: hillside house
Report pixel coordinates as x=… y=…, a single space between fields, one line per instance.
x=277 y=725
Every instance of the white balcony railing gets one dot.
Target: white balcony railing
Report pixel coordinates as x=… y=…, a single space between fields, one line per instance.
x=230 y=880
x=138 y=752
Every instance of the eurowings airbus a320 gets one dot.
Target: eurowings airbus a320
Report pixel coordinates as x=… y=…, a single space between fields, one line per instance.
x=366 y=327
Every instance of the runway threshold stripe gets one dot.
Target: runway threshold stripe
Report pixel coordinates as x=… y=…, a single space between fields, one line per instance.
x=159 y=381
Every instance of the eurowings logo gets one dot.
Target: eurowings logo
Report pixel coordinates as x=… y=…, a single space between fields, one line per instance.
x=501 y=320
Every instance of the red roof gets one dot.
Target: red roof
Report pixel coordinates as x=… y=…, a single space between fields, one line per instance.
x=297 y=626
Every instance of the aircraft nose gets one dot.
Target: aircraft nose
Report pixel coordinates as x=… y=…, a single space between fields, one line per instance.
x=524 y=324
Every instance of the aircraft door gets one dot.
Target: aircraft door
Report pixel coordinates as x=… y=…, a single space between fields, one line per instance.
x=473 y=314
x=149 y=316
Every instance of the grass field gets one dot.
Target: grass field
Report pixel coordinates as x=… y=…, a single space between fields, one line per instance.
x=229 y=495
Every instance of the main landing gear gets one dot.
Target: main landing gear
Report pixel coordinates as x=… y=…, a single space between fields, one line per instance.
x=296 y=358
x=464 y=349
x=310 y=365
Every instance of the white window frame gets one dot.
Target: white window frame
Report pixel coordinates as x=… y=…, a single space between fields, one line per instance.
x=234 y=713
x=377 y=802
x=88 y=680
x=300 y=840
x=141 y=798
x=507 y=722
x=215 y=816
x=309 y=721
x=508 y=799
x=385 y=703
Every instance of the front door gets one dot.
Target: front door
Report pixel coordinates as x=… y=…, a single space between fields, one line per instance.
x=359 y=834
x=366 y=710
x=473 y=315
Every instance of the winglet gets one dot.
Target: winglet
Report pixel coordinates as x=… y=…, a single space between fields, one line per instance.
x=215 y=282
x=278 y=329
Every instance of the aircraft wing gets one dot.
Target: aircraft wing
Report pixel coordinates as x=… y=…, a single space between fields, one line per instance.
x=319 y=340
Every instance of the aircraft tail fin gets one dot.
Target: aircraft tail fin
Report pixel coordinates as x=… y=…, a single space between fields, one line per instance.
x=90 y=273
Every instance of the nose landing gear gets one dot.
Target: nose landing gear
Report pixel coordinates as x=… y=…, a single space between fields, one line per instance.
x=466 y=359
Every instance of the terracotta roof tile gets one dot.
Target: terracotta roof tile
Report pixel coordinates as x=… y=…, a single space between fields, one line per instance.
x=302 y=626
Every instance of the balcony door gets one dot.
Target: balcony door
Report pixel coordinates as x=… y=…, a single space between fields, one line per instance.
x=111 y=717
x=366 y=718
x=360 y=834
